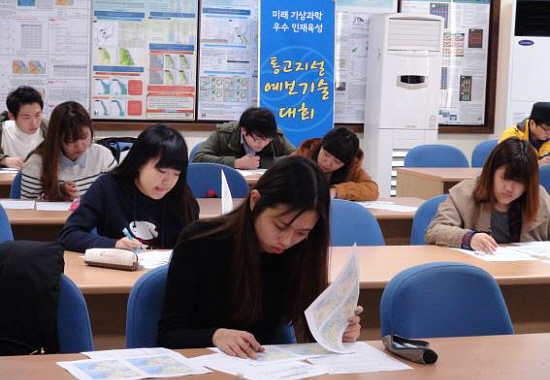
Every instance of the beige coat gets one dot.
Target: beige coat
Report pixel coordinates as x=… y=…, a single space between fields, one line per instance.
x=460 y=214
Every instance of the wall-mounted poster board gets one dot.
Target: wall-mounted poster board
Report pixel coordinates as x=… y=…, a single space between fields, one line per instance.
x=46 y=45
x=144 y=59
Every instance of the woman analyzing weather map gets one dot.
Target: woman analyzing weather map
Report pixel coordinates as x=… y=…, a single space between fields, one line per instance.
x=243 y=279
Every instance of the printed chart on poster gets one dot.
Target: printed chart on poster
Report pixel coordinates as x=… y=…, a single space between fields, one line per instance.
x=228 y=76
x=350 y=55
x=45 y=45
x=465 y=55
x=144 y=59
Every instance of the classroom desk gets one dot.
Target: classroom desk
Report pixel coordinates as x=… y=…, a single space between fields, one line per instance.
x=426 y=183
x=503 y=357
x=46 y=225
x=525 y=285
x=6 y=178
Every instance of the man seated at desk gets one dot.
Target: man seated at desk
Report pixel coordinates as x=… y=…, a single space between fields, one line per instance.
x=535 y=129
x=252 y=142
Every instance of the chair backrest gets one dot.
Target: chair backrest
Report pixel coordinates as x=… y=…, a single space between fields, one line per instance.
x=435 y=156
x=145 y=308
x=15 y=189
x=544 y=176
x=352 y=223
x=73 y=322
x=203 y=176
x=481 y=152
x=194 y=151
x=423 y=217
x=6 y=233
x=443 y=299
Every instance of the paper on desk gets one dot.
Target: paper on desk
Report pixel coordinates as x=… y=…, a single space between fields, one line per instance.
x=227 y=199
x=389 y=206
x=251 y=173
x=272 y=354
x=154 y=258
x=288 y=370
x=126 y=353
x=501 y=254
x=161 y=365
x=538 y=249
x=15 y=204
x=327 y=316
x=365 y=359
x=53 y=206
x=8 y=170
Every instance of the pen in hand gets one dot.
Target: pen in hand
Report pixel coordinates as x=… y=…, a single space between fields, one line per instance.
x=130 y=237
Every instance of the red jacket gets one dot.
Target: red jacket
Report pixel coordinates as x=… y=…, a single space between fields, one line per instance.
x=358 y=186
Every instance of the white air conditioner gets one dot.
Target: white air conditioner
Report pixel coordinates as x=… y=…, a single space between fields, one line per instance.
x=403 y=88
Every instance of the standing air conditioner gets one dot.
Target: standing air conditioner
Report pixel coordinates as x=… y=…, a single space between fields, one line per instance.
x=403 y=89
x=529 y=78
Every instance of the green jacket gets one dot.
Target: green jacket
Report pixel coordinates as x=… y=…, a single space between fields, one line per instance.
x=223 y=146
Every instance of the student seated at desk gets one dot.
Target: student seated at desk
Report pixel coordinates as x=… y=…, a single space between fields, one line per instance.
x=66 y=163
x=147 y=194
x=235 y=281
x=505 y=204
x=21 y=127
x=340 y=158
x=536 y=130
x=253 y=142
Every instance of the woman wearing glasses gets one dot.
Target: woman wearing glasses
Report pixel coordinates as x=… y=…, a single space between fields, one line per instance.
x=251 y=143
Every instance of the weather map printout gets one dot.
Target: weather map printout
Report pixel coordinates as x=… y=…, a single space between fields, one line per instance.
x=327 y=317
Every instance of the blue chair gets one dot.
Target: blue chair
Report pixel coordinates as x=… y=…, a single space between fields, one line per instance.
x=544 y=177
x=481 y=152
x=145 y=308
x=352 y=223
x=6 y=233
x=73 y=322
x=194 y=151
x=435 y=156
x=423 y=217
x=15 y=189
x=203 y=176
x=443 y=299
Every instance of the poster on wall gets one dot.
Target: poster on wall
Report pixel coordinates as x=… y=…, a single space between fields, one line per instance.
x=46 y=45
x=465 y=56
x=144 y=59
x=228 y=74
x=350 y=60
x=296 y=78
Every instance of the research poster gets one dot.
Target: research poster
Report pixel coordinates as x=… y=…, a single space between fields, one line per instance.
x=350 y=60
x=228 y=76
x=465 y=57
x=144 y=59
x=46 y=45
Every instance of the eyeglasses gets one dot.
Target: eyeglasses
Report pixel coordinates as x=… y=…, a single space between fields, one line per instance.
x=257 y=138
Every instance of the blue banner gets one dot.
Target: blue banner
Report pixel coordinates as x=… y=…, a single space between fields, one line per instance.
x=297 y=65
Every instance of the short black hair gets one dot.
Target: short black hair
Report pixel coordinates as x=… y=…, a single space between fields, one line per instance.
x=258 y=121
x=341 y=143
x=21 y=96
x=540 y=113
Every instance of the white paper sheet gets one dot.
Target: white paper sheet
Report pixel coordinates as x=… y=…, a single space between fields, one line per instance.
x=127 y=353
x=537 y=249
x=327 y=316
x=149 y=259
x=288 y=370
x=501 y=254
x=126 y=367
x=365 y=359
x=272 y=354
x=53 y=206
x=251 y=172
x=8 y=170
x=389 y=206
x=227 y=199
x=13 y=204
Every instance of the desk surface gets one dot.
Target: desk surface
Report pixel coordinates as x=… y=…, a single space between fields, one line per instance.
x=377 y=266
x=442 y=174
x=6 y=178
x=504 y=357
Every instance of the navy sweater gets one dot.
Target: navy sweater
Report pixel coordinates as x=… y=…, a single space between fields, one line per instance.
x=112 y=204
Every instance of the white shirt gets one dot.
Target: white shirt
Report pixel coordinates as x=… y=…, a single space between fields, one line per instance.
x=16 y=143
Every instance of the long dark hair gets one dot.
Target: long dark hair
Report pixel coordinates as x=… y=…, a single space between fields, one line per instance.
x=342 y=144
x=520 y=160
x=162 y=142
x=67 y=123
x=299 y=184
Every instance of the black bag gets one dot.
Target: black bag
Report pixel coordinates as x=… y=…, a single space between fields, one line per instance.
x=117 y=145
x=30 y=275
